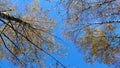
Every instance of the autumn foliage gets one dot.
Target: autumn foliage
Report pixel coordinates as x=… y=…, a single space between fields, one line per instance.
x=26 y=33
x=94 y=26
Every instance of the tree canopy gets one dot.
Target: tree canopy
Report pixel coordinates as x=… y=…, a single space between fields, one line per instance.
x=26 y=34
x=94 y=25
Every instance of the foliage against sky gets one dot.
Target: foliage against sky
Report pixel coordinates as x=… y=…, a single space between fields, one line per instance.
x=94 y=26
x=26 y=35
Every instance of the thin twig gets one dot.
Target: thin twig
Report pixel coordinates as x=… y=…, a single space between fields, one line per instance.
x=10 y=50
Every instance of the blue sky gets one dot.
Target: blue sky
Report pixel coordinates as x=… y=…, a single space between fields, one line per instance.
x=74 y=57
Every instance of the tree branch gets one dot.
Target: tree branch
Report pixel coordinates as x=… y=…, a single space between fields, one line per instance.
x=10 y=50
x=18 y=20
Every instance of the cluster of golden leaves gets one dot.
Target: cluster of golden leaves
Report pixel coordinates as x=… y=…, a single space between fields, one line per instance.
x=23 y=40
x=93 y=26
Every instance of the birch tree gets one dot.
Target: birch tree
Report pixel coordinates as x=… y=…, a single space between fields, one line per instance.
x=94 y=26
x=26 y=33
